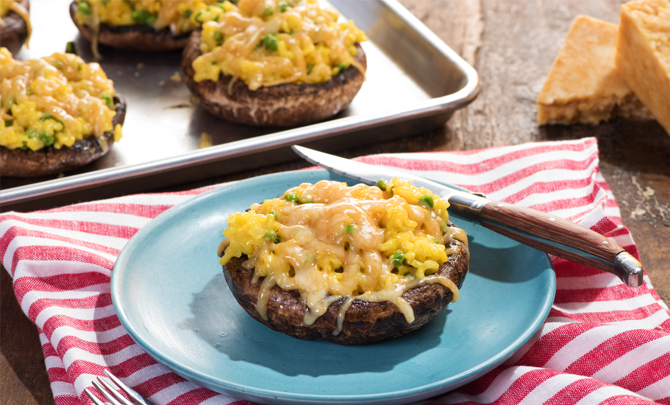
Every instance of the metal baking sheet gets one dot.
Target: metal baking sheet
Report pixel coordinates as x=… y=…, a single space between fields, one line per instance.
x=414 y=83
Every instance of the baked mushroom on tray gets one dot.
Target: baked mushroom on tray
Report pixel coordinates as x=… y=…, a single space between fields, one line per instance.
x=15 y=28
x=349 y=265
x=57 y=113
x=144 y=25
x=275 y=63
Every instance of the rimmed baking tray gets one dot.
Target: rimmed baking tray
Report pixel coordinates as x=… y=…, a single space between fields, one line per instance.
x=414 y=83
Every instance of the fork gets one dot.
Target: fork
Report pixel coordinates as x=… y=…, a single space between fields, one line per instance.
x=110 y=392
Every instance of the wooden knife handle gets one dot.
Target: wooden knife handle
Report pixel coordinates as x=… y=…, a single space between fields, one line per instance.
x=559 y=237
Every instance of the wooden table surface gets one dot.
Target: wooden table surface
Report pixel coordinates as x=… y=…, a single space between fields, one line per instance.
x=512 y=44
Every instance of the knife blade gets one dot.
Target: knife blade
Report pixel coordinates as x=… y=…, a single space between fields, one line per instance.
x=542 y=231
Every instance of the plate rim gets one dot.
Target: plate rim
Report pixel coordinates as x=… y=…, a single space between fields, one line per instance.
x=255 y=393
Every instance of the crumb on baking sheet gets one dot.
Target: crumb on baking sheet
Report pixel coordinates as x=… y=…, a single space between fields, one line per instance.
x=140 y=65
x=180 y=105
x=161 y=83
x=205 y=140
x=176 y=77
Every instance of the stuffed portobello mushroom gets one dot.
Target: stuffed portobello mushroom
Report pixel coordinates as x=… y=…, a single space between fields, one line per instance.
x=143 y=25
x=15 y=26
x=57 y=113
x=275 y=63
x=349 y=265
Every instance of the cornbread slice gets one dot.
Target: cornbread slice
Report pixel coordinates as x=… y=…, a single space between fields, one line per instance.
x=583 y=85
x=643 y=54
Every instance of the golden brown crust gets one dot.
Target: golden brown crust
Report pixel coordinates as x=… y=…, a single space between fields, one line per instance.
x=364 y=322
x=14 y=31
x=642 y=54
x=49 y=160
x=133 y=37
x=583 y=85
x=284 y=105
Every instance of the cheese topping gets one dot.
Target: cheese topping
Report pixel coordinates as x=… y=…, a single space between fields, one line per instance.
x=14 y=5
x=271 y=42
x=330 y=241
x=179 y=16
x=53 y=101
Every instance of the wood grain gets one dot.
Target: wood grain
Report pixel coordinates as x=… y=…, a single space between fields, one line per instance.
x=549 y=227
x=512 y=44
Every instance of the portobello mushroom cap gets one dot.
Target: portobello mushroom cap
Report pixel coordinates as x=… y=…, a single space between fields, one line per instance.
x=133 y=37
x=284 y=105
x=364 y=323
x=49 y=160
x=14 y=30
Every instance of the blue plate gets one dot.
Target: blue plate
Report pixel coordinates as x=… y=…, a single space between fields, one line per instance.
x=170 y=294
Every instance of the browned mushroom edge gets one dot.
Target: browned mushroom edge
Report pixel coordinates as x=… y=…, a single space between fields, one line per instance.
x=132 y=37
x=49 y=160
x=285 y=105
x=14 y=31
x=364 y=322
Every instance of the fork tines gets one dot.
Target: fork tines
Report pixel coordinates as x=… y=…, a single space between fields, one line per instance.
x=110 y=392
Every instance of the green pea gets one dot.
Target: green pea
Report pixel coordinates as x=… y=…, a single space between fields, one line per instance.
x=31 y=134
x=187 y=13
x=292 y=197
x=426 y=200
x=70 y=48
x=46 y=116
x=268 y=12
x=346 y=245
x=283 y=6
x=108 y=100
x=310 y=67
x=46 y=139
x=274 y=236
x=270 y=42
x=350 y=228
x=435 y=240
x=218 y=36
x=197 y=17
x=341 y=66
x=398 y=258
x=275 y=214
x=383 y=184
x=443 y=226
x=143 y=17
x=104 y=1
x=84 y=7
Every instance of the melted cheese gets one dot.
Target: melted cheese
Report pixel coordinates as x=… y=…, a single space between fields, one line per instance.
x=14 y=5
x=55 y=100
x=271 y=42
x=179 y=16
x=332 y=242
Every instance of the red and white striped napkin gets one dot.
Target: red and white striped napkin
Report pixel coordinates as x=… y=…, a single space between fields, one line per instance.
x=601 y=343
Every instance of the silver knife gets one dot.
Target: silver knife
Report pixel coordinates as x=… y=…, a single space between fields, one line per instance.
x=537 y=229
